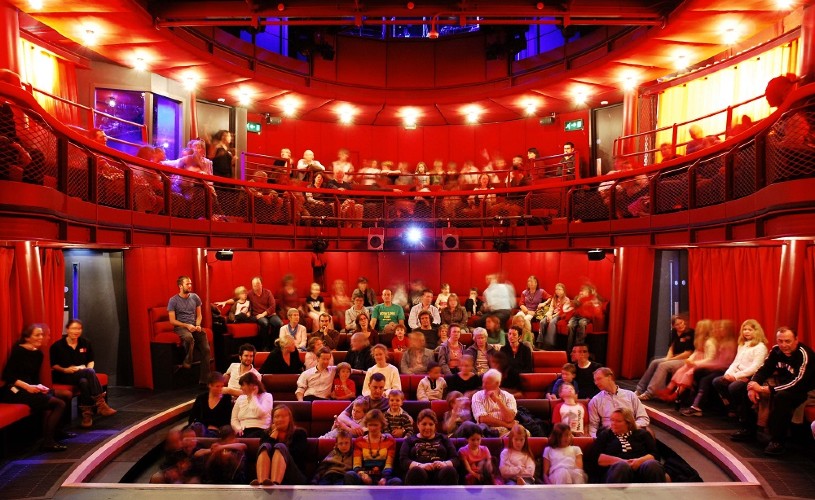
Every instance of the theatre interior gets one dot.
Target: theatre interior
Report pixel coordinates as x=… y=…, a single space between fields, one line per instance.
x=578 y=176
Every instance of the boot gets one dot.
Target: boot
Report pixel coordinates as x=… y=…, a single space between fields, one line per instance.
x=87 y=416
x=102 y=406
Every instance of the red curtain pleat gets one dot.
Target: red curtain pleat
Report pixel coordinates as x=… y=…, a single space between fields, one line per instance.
x=53 y=281
x=11 y=318
x=734 y=283
x=806 y=311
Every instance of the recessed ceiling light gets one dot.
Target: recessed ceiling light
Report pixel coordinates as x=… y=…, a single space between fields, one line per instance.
x=139 y=64
x=190 y=82
x=35 y=4
x=89 y=37
x=221 y=99
x=580 y=97
x=244 y=98
x=410 y=117
x=472 y=113
x=603 y=103
x=290 y=105
x=346 y=114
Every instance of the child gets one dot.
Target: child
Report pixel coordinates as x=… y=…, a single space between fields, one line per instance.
x=226 y=462
x=399 y=342
x=441 y=298
x=344 y=387
x=182 y=461
x=517 y=463
x=444 y=335
x=562 y=461
x=571 y=412
x=398 y=422
x=315 y=305
x=241 y=310
x=433 y=385
x=391 y=373
x=458 y=414
x=473 y=304
x=476 y=459
x=359 y=408
x=331 y=471
x=567 y=376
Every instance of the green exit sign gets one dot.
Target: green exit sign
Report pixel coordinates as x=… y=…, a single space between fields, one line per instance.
x=255 y=127
x=573 y=125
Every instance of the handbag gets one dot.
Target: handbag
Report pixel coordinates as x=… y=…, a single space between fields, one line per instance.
x=543 y=309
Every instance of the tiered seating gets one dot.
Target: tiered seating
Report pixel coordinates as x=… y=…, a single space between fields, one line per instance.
x=166 y=350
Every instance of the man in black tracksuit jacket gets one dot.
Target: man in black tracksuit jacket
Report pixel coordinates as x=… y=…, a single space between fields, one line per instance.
x=791 y=364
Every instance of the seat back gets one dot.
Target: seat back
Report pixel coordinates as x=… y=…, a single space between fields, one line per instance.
x=548 y=361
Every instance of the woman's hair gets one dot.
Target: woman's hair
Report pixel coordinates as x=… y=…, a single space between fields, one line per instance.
x=427 y=413
x=292 y=311
x=29 y=331
x=382 y=348
x=314 y=180
x=375 y=414
x=72 y=321
x=283 y=341
x=702 y=332
x=452 y=396
x=677 y=317
x=356 y=321
x=219 y=135
x=215 y=377
x=290 y=428
x=556 y=437
x=252 y=379
x=726 y=330
x=343 y=433
x=561 y=285
x=343 y=366
x=480 y=331
x=312 y=342
x=628 y=416
x=758 y=337
x=518 y=430
x=453 y=296
x=533 y=277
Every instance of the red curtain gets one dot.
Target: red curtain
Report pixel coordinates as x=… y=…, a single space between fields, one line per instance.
x=734 y=283
x=53 y=284
x=630 y=314
x=806 y=314
x=11 y=318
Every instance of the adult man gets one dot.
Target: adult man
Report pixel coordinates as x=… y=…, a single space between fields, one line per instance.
x=518 y=354
x=184 y=310
x=499 y=299
x=324 y=332
x=611 y=397
x=655 y=377
x=357 y=308
x=387 y=314
x=431 y=334
x=376 y=400
x=567 y=163
x=233 y=374
x=359 y=357
x=668 y=152
x=492 y=406
x=363 y=290
x=585 y=371
x=317 y=382
x=425 y=304
x=790 y=364
x=697 y=141
x=263 y=309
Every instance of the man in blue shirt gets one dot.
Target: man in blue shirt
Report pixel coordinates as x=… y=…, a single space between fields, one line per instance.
x=184 y=310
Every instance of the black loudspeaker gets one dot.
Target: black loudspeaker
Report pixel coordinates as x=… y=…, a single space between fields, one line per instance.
x=224 y=255
x=547 y=120
x=449 y=242
x=596 y=254
x=376 y=240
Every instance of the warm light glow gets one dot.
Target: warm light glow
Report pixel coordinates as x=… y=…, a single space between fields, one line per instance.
x=681 y=60
x=190 y=82
x=112 y=101
x=35 y=4
x=221 y=99
x=785 y=4
x=139 y=64
x=89 y=37
x=472 y=113
x=410 y=116
x=629 y=82
x=244 y=98
x=530 y=106
x=346 y=114
x=580 y=97
x=290 y=105
x=731 y=33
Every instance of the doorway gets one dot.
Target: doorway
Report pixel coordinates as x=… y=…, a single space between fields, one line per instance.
x=607 y=125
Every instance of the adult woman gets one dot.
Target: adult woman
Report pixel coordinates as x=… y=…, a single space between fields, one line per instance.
x=531 y=298
x=480 y=351
x=475 y=202
x=315 y=344
x=449 y=353
x=417 y=356
x=454 y=313
x=373 y=455
x=363 y=326
x=72 y=364
x=284 y=359
x=340 y=301
x=22 y=378
x=282 y=452
x=496 y=336
x=392 y=380
x=428 y=457
x=653 y=380
x=252 y=412
x=518 y=353
x=723 y=338
x=221 y=153
x=466 y=381
x=294 y=329
x=628 y=453
x=752 y=350
x=559 y=303
x=212 y=409
x=525 y=327
x=319 y=204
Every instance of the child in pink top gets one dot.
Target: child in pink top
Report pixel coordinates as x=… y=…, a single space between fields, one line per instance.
x=476 y=458
x=400 y=340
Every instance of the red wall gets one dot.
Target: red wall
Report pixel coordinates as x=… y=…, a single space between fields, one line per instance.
x=449 y=143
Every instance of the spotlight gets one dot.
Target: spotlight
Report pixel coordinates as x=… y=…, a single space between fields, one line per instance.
x=413 y=236
x=35 y=4
x=189 y=82
x=225 y=255
x=89 y=37
x=596 y=254
x=500 y=245
x=112 y=101
x=140 y=64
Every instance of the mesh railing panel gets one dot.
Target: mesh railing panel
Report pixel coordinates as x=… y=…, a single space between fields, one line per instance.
x=710 y=182
x=78 y=160
x=270 y=206
x=632 y=199
x=230 y=203
x=790 y=147
x=28 y=148
x=544 y=206
x=591 y=203
x=744 y=170
x=147 y=190
x=188 y=198
x=111 y=183
x=672 y=192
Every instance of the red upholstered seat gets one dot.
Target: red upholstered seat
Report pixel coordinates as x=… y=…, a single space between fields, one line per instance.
x=556 y=412
x=809 y=413
x=242 y=330
x=162 y=330
x=534 y=385
x=548 y=361
x=74 y=390
x=10 y=413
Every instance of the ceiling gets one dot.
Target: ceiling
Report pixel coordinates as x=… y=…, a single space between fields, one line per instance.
x=649 y=37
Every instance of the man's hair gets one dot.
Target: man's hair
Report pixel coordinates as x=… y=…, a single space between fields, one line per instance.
x=427 y=290
x=180 y=280
x=246 y=347
x=786 y=329
x=376 y=377
x=397 y=392
x=605 y=371
x=325 y=350
x=362 y=279
x=260 y=280
x=567 y=143
x=432 y=364
x=581 y=344
x=492 y=373
x=424 y=313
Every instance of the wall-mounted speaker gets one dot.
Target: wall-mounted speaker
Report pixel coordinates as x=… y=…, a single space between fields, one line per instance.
x=596 y=255
x=376 y=240
x=449 y=241
x=225 y=255
x=547 y=120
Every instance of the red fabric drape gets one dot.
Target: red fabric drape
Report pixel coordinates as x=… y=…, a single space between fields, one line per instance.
x=11 y=318
x=734 y=283
x=53 y=284
x=630 y=311
x=806 y=318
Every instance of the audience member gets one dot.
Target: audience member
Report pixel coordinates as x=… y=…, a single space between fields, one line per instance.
x=398 y=423
x=400 y=341
x=225 y=459
x=390 y=372
x=705 y=372
x=184 y=310
x=318 y=382
x=416 y=358
x=212 y=409
x=568 y=373
x=450 y=352
x=180 y=464
x=363 y=290
x=499 y=299
x=387 y=315
x=252 y=413
x=283 y=359
x=376 y=400
x=510 y=376
x=496 y=336
x=453 y=313
x=241 y=310
x=532 y=296
x=352 y=312
x=344 y=387
x=264 y=311
x=428 y=457
x=359 y=356
x=585 y=371
x=287 y=296
x=586 y=309
x=315 y=304
x=611 y=397
x=492 y=406
x=627 y=452
x=363 y=326
x=571 y=412
x=283 y=451
x=668 y=152
x=473 y=305
x=559 y=303
x=307 y=166
x=232 y=377
x=480 y=350
x=426 y=304
x=432 y=386
x=295 y=330
x=340 y=460
x=752 y=350
x=430 y=333
x=518 y=354
x=681 y=346
x=315 y=345
x=517 y=463
x=324 y=332
x=374 y=466
x=697 y=141
x=563 y=461
x=476 y=459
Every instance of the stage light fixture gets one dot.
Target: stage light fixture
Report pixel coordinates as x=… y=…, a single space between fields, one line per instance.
x=596 y=255
x=224 y=255
x=413 y=236
x=376 y=239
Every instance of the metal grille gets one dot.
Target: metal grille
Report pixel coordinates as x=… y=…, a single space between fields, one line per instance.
x=591 y=203
x=148 y=190
x=111 y=182
x=544 y=206
x=710 y=181
x=270 y=206
x=230 y=202
x=27 y=148
x=188 y=198
x=632 y=197
x=744 y=170
x=78 y=172
x=672 y=192
x=790 y=149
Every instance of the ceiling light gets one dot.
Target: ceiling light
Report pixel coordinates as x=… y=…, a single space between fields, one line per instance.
x=112 y=101
x=190 y=82
x=629 y=82
x=472 y=113
x=346 y=114
x=731 y=33
x=289 y=105
x=35 y=4
x=539 y=5
x=281 y=7
x=784 y=4
x=89 y=37
x=221 y=99
x=580 y=97
x=410 y=5
x=244 y=98
x=530 y=107
x=140 y=64
x=603 y=103
x=410 y=116
x=681 y=60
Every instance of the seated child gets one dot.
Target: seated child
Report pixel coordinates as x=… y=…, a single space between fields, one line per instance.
x=567 y=376
x=398 y=422
x=517 y=462
x=180 y=465
x=458 y=413
x=562 y=461
x=400 y=340
x=331 y=471
x=226 y=462
x=476 y=458
x=358 y=410
x=344 y=387
x=432 y=386
x=241 y=310
x=572 y=413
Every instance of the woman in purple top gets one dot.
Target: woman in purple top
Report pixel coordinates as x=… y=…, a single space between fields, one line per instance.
x=532 y=297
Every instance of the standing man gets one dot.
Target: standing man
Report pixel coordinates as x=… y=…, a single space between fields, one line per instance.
x=425 y=304
x=387 y=314
x=263 y=309
x=184 y=310
x=790 y=363
x=499 y=299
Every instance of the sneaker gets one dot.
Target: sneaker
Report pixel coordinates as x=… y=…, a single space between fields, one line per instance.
x=691 y=411
x=774 y=448
x=644 y=396
x=743 y=435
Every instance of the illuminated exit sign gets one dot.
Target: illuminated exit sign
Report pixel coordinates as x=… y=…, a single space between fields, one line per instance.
x=255 y=127
x=573 y=125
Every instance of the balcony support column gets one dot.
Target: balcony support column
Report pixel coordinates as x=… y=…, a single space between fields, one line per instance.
x=9 y=43
x=790 y=285
x=629 y=121
x=807 y=45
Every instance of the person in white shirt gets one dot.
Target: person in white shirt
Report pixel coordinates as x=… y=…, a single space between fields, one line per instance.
x=316 y=383
x=493 y=406
x=295 y=330
x=391 y=373
x=307 y=165
x=252 y=413
x=426 y=304
x=232 y=377
x=611 y=397
x=433 y=385
x=343 y=163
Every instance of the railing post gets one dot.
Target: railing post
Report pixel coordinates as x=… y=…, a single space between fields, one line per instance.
x=761 y=160
x=166 y=187
x=93 y=180
x=729 y=123
x=128 y=188
x=674 y=136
